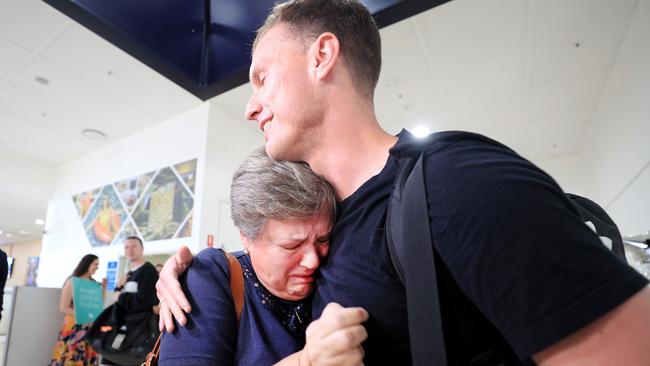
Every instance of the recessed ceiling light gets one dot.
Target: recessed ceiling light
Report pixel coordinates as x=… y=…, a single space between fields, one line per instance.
x=0 y=232
x=39 y=222
x=420 y=131
x=23 y=232
x=9 y=235
x=92 y=134
x=41 y=80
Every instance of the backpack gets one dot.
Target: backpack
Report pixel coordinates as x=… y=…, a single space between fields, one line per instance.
x=111 y=338
x=415 y=263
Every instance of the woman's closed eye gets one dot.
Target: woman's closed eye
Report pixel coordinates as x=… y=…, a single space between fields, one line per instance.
x=290 y=246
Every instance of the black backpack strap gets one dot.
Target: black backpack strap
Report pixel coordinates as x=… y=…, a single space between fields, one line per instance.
x=411 y=247
x=603 y=223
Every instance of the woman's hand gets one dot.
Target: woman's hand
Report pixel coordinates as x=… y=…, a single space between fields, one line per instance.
x=173 y=303
x=335 y=338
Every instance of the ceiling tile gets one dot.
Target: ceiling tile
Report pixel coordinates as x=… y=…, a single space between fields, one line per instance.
x=41 y=111
x=477 y=47
x=77 y=94
x=494 y=110
x=565 y=119
x=598 y=26
x=407 y=93
x=13 y=58
x=406 y=103
x=402 y=55
x=30 y=23
x=561 y=135
x=38 y=142
x=574 y=93
x=118 y=72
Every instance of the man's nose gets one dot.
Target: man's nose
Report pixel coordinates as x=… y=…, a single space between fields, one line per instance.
x=253 y=109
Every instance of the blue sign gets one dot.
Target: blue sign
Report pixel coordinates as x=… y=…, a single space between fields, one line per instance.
x=111 y=275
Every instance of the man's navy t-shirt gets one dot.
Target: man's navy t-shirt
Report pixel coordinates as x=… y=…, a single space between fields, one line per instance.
x=517 y=265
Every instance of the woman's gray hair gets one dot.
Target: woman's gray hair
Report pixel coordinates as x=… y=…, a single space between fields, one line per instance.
x=263 y=188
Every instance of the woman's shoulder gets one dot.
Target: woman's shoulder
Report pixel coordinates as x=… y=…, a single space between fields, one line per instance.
x=212 y=263
x=214 y=256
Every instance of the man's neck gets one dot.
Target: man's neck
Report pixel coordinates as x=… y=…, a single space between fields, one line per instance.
x=136 y=263
x=354 y=148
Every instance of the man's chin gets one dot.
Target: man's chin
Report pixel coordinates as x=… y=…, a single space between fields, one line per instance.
x=270 y=151
x=280 y=154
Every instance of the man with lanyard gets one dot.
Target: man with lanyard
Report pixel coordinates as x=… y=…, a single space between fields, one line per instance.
x=136 y=292
x=517 y=265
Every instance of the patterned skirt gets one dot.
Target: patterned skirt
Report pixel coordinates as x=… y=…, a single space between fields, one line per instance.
x=71 y=348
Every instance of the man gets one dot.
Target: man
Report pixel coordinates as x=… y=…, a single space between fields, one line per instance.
x=517 y=268
x=136 y=291
x=4 y=272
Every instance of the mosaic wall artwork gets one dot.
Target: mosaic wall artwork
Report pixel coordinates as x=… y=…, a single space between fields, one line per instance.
x=154 y=206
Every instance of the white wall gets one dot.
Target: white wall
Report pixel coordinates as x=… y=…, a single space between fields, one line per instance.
x=173 y=141
x=25 y=188
x=230 y=140
x=616 y=151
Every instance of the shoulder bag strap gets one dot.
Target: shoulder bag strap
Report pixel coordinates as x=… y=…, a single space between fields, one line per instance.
x=236 y=284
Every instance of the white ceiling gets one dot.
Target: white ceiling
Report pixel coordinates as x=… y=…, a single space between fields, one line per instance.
x=528 y=73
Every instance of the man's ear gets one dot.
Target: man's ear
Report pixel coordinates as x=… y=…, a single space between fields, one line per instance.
x=324 y=54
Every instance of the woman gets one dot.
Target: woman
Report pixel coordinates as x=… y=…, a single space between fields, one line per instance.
x=71 y=349
x=284 y=213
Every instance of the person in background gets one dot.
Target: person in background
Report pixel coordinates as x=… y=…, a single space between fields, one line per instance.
x=71 y=347
x=4 y=272
x=136 y=291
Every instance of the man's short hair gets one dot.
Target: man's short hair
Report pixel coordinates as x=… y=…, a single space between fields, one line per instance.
x=349 y=20
x=133 y=237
